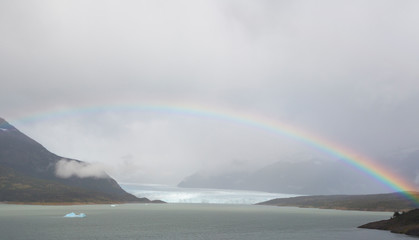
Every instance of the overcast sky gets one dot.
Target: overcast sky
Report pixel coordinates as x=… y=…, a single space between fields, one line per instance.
x=345 y=70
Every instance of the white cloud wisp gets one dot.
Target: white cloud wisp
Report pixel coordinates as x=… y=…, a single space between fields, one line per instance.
x=70 y=168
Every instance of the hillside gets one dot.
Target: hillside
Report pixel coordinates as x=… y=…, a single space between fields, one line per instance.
x=314 y=177
x=405 y=222
x=28 y=174
x=373 y=202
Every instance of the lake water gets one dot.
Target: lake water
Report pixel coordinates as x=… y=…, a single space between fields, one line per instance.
x=186 y=221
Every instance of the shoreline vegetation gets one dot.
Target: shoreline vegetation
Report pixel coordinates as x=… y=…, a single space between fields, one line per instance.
x=401 y=222
x=387 y=202
x=405 y=219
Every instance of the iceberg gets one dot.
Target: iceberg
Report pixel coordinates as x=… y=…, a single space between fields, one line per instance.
x=73 y=215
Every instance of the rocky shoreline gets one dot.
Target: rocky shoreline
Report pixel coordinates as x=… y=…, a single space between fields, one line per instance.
x=404 y=223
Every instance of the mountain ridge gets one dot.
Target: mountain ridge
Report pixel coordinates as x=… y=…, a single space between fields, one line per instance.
x=28 y=174
x=314 y=177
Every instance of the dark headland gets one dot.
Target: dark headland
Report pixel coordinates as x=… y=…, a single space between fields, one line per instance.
x=404 y=222
x=28 y=176
x=388 y=202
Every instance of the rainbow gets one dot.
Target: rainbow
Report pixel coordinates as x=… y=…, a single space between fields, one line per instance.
x=350 y=157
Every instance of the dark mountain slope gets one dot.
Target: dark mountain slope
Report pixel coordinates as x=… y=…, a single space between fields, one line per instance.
x=27 y=174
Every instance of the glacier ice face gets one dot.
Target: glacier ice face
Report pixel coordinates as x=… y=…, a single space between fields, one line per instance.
x=74 y=215
x=173 y=194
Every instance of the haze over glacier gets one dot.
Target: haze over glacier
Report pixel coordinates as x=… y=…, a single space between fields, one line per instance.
x=76 y=76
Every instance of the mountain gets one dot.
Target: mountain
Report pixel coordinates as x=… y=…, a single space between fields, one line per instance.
x=304 y=177
x=28 y=173
x=370 y=202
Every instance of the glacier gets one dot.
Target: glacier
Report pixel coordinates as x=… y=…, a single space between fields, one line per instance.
x=172 y=194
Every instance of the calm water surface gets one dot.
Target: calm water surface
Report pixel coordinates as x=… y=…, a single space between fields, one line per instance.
x=186 y=221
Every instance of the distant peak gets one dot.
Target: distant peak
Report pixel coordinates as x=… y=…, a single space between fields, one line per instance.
x=4 y=125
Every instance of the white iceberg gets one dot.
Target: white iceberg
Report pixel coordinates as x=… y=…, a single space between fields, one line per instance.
x=73 y=215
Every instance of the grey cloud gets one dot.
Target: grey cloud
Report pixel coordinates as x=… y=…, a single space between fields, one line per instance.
x=345 y=70
x=71 y=168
